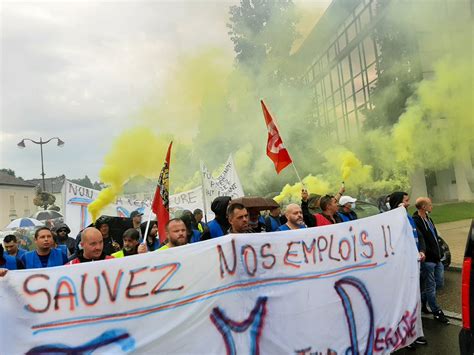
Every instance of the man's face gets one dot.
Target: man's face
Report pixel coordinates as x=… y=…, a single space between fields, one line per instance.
x=428 y=206
x=104 y=229
x=62 y=233
x=294 y=215
x=276 y=212
x=347 y=207
x=177 y=233
x=198 y=217
x=239 y=220
x=137 y=219
x=44 y=240
x=129 y=244
x=93 y=244
x=406 y=201
x=11 y=247
x=332 y=207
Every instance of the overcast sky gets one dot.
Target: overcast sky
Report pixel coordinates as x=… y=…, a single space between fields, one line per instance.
x=79 y=70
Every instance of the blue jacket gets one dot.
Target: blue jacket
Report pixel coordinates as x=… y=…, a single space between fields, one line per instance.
x=284 y=227
x=196 y=237
x=31 y=260
x=415 y=232
x=10 y=262
x=20 y=253
x=215 y=229
x=272 y=224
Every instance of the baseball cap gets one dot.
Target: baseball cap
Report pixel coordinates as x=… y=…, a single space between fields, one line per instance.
x=346 y=199
x=135 y=213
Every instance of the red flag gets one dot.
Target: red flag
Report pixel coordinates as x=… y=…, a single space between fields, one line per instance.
x=275 y=149
x=160 y=206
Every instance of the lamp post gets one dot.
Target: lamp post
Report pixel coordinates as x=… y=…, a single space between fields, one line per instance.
x=41 y=143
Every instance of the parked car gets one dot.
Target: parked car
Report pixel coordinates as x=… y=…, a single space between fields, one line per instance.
x=466 y=338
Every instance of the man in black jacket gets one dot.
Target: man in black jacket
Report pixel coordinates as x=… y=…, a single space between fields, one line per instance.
x=432 y=270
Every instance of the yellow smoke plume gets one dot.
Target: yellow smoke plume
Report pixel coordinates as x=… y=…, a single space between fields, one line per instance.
x=136 y=152
x=311 y=183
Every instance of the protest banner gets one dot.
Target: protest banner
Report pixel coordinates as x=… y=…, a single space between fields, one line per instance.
x=346 y=288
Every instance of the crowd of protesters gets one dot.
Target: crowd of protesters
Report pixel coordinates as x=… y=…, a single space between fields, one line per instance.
x=57 y=248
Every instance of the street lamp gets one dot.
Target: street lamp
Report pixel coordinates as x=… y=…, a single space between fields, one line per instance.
x=41 y=142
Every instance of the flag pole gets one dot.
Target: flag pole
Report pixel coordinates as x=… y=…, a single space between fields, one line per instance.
x=147 y=227
x=201 y=165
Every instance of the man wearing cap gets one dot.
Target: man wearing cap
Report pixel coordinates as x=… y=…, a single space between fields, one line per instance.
x=136 y=217
x=346 y=208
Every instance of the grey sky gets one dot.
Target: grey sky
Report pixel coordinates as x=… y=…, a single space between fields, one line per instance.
x=80 y=69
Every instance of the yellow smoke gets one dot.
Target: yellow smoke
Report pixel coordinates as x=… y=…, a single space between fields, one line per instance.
x=311 y=183
x=136 y=152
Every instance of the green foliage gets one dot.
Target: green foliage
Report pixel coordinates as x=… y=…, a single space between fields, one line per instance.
x=398 y=67
x=86 y=182
x=263 y=32
x=8 y=172
x=43 y=199
x=450 y=212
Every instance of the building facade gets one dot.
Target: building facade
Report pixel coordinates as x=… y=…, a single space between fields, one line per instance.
x=16 y=198
x=340 y=63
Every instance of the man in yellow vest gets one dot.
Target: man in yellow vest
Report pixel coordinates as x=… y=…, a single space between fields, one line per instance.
x=176 y=234
x=131 y=240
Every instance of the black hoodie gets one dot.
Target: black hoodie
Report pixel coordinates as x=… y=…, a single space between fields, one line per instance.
x=433 y=250
x=219 y=207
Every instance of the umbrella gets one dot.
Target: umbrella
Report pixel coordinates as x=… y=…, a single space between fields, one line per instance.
x=24 y=223
x=48 y=214
x=259 y=203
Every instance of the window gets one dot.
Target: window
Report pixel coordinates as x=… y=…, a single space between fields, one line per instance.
x=334 y=79
x=348 y=90
x=360 y=98
x=369 y=51
x=371 y=73
x=358 y=82
x=12 y=202
x=345 y=70
x=350 y=104
x=355 y=61
x=342 y=40
x=351 y=32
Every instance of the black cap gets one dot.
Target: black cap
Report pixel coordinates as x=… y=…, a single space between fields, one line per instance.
x=135 y=213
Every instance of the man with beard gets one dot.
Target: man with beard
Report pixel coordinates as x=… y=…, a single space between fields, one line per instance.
x=176 y=234
x=294 y=216
x=92 y=247
x=131 y=240
x=62 y=231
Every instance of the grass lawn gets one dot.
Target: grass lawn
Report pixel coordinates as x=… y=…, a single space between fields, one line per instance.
x=450 y=212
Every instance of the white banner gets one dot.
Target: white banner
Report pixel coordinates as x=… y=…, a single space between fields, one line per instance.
x=226 y=184
x=346 y=288
x=77 y=198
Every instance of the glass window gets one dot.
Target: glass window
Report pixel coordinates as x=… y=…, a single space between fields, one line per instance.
x=335 y=79
x=364 y=18
x=342 y=40
x=369 y=51
x=358 y=82
x=350 y=104
x=355 y=61
x=351 y=32
x=371 y=73
x=348 y=89
x=360 y=98
x=345 y=70
x=337 y=97
x=332 y=53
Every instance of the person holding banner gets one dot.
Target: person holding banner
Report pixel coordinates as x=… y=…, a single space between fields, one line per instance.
x=176 y=233
x=8 y=262
x=92 y=247
x=45 y=254
x=294 y=216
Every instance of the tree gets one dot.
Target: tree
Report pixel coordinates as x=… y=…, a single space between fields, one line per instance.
x=263 y=32
x=398 y=67
x=43 y=199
